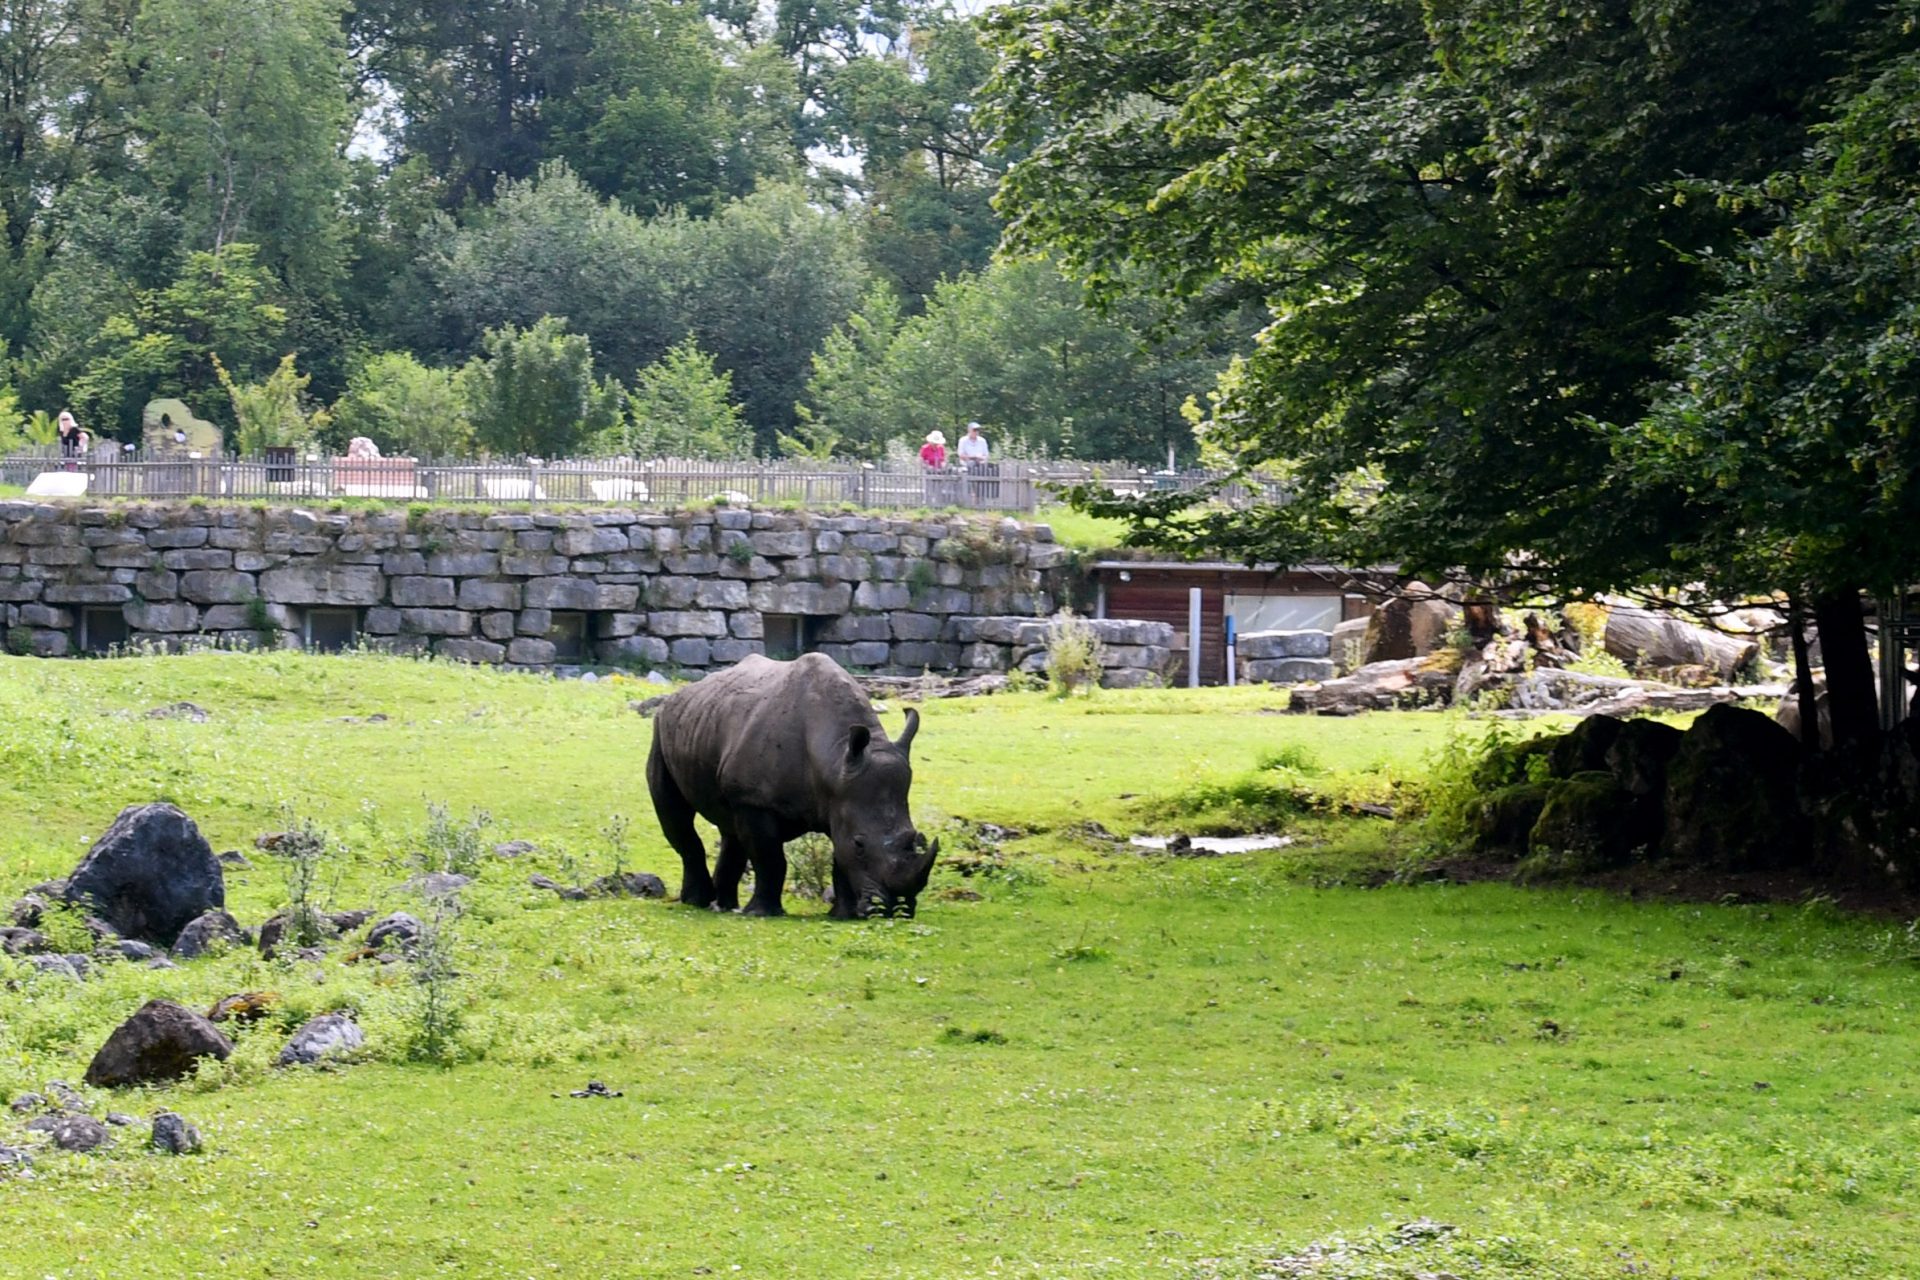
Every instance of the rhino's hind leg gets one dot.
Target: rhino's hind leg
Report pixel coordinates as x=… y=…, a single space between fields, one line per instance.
x=761 y=836
x=676 y=823
x=727 y=870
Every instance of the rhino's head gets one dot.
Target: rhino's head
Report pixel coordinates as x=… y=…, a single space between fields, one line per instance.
x=875 y=847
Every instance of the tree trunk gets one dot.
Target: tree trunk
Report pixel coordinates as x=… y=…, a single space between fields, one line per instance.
x=1851 y=701
x=1803 y=679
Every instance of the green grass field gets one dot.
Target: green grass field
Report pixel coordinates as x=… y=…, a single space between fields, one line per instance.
x=1103 y=1065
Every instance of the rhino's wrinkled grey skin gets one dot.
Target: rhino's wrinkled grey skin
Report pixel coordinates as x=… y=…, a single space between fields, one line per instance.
x=767 y=751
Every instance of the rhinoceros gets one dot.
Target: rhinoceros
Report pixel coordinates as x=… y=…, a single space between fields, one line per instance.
x=767 y=751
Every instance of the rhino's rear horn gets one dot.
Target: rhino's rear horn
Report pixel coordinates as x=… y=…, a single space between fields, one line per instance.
x=905 y=742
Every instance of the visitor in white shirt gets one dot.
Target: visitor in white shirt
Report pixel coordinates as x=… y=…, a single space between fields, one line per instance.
x=973 y=445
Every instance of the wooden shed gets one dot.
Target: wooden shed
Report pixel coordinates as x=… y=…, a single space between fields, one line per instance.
x=1261 y=597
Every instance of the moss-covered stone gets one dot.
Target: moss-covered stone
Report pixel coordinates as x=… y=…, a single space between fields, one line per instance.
x=1588 y=823
x=1731 y=796
x=1507 y=815
x=1584 y=748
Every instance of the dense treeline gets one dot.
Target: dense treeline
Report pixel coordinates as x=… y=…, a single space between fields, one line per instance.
x=570 y=225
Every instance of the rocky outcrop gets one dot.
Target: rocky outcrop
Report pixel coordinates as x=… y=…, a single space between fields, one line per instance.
x=1411 y=625
x=149 y=875
x=162 y=1041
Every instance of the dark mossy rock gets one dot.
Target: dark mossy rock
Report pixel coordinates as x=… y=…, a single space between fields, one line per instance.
x=149 y=874
x=1864 y=808
x=1583 y=749
x=1589 y=823
x=1506 y=817
x=1506 y=763
x=1640 y=754
x=162 y=1041
x=1732 y=795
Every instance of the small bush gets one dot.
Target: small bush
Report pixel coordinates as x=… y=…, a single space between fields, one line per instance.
x=437 y=1016
x=459 y=847
x=810 y=865
x=1073 y=655
x=303 y=853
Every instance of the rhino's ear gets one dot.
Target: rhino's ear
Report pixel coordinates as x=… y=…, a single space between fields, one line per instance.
x=905 y=741
x=857 y=739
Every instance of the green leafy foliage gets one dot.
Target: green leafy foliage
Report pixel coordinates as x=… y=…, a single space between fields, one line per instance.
x=404 y=407
x=533 y=391
x=681 y=406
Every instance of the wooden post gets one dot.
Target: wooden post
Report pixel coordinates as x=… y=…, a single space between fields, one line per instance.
x=1193 y=637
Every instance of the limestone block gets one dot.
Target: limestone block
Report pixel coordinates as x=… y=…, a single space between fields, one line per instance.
x=1289 y=670
x=720 y=593
x=323 y=584
x=757 y=569
x=1131 y=678
x=48 y=644
x=731 y=650
x=149 y=615
x=403 y=563
x=691 y=651
x=125 y=557
x=618 y=625
x=829 y=541
x=59 y=556
x=85 y=593
x=915 y=626
x=731 y=519
x=240 y=617
x=562 y=593
x=944 y=600
x=839 y=568
x=497 y=626
x=530 y=651
x=772 y=544
x=633 y=651
x=692 y=562
x=201 y=558
x=381 y=622
x=477 y=595
x=875 y=542
x=533 y=564
x=888 y=568
x=169 y=539
x=1050 y=556
x=535 y=622
x=591 y=541
x=880 y=596
x=534 y=540
x=800 y=597
x=421 y=593
x=485 y=651
x=218 y=586
x=1262 y=645
x=44 y=615
x=698 y=533
x=851 y=627
x=1113 y=631
x=672 y=592
x=986 y=657
x=688 y=623
x=463 y=564
x=920 y=654
x=747 y=625
x=232 y=539
x=436 y=622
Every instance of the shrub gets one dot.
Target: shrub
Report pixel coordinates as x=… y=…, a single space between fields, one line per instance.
x=436 y=1014
x=1073 y=655
x=810 y=865
x=303 y=853
x=459 y=847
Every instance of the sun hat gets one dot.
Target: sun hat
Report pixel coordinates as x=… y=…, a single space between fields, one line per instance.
x=934 y=437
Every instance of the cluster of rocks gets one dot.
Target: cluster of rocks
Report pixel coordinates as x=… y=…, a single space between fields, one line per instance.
x=1132 y=653
x=63 y=1119
x=692 y=589
x=1733 y=792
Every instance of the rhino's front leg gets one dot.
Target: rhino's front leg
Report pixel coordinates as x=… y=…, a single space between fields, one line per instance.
x=844 y=907
x=727 y=870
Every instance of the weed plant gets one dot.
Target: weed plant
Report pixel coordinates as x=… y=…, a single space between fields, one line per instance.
x=1073 y=655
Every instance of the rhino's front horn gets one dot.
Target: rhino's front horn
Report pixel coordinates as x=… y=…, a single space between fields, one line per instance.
x=906 y=735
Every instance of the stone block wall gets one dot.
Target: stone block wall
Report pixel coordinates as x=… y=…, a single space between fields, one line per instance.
x=693 y=590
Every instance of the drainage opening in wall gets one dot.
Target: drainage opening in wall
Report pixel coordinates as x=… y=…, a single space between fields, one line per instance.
x=788 y=635
x=102 y=630
x=329 y=630
x=568 y=633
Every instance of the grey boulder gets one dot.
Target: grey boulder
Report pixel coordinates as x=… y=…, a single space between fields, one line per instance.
x=327 y=1036
x=398 y=927
x=71 y=1132
x=174 y=1135
x=206 y=932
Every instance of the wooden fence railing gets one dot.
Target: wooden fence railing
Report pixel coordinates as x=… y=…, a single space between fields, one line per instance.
x=1012 y=485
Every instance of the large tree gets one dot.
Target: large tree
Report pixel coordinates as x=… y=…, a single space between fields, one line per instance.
x=1467 y=219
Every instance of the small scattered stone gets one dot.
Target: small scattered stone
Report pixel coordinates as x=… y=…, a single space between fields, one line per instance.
x=398 y=927
x=572 y=893
x=59 y=966
x=26 y=911
x=439 y=884
x=133 y=949
x=14 y=1158
x=271 y=841
x=243 y=1006
x=513 y=849
x=174 y=1135
x=71 y=1132
x=179 y=711
x=235 y=858
x=22 y=941
x=328 y=1035
x=207 y=932
x=348 y=921
x=120 y=1119
x=65 y=1096
x=161 y=962
x=27 y=1102
x=634 y=884
x=595 y=1089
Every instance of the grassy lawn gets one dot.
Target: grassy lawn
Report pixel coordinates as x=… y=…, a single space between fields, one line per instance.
x=1102 y=1065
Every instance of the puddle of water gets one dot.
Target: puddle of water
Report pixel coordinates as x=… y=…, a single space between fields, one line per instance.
x=1214 y=844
